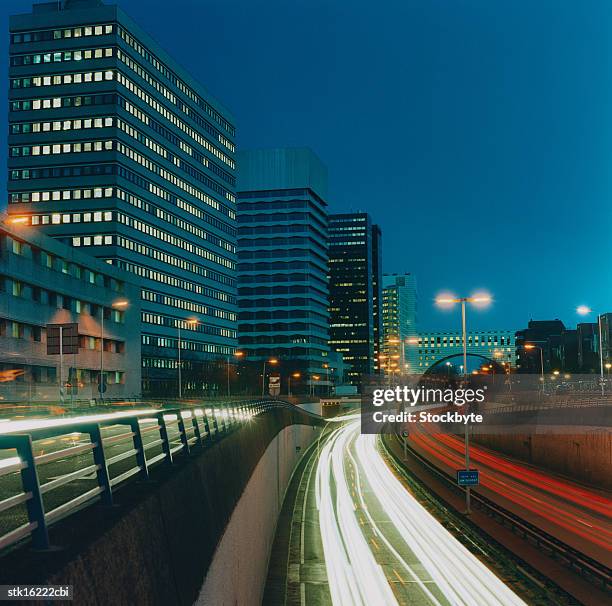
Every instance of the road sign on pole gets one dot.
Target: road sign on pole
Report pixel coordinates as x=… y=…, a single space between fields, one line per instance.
x=274 y=385
x=468 y=477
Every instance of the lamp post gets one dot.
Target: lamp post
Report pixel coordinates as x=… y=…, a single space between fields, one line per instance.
x=122 y=304
x=295 y=375
x=478 y=300
x=583 y=310
x=530 y=346
x=191 y=322
x=237 y=354
x=272 y=361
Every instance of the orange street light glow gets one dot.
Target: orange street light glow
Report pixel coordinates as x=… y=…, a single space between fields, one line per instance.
x=583 y=310
x=18 y=220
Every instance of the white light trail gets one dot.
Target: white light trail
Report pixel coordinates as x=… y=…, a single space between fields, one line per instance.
x=354 y=575
x=461 y=576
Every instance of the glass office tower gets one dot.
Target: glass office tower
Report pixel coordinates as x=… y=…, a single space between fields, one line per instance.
x=282 y=267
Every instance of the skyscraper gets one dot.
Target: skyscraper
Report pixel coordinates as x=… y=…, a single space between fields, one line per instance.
x=114 y=149
x=282 y=265
x=355 y=260
x=399 y=319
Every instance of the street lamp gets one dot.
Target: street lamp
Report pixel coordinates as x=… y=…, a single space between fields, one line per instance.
x=295 y=375
x=479 y=300
x=121 y=304
x=190 y=322
x=583 y=310
x=531 y=346
x=238 y=354
x=272 y=361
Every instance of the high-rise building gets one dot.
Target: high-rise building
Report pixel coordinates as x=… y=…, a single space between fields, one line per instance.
x=399 y=319
x=113 y=148
x=282 y=266
x=355 y=287
x=496 y=345
x=543 y=338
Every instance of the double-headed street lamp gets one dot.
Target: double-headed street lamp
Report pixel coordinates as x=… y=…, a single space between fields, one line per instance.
x=481 y=300
x=583 y=310
x=189 y=322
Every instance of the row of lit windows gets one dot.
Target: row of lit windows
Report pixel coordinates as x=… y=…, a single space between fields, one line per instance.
x=22 y=105
x=19 y=128
x=208 y=329
x=71 y=147
x=129 y=130
x=59 y=79
x=61 y=218
x=62 y=56
x=173 y=118
x=186 y=344
x=61 y=194
x=58 y=34
x=165 y=236
x=187 y=305
x=182 y=86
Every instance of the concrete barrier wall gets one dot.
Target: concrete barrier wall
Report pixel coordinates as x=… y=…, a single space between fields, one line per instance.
x=238 y=571
x=157 y=545
x=586 y=457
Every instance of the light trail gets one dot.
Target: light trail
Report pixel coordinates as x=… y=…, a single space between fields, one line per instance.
x=452 y=574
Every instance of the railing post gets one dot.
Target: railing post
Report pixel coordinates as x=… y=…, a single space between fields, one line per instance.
x=196 y=426
x=163 y=434
x=206 y=424
x=141 y=455
x=35 y=505
x=99 y=457
x=182 y=432
x=215 y=422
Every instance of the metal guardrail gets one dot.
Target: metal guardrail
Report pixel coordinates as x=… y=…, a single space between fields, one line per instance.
x=173 y=431
x=576 y=560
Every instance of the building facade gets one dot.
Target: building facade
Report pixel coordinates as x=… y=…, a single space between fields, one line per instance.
x=282 y=267
x=45 y=282
x=355 y=260
x=399 y=320
x=497 y=345
x=116 y=150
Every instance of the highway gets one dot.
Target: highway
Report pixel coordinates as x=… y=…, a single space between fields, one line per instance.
x=576 y=515
x=364 y=539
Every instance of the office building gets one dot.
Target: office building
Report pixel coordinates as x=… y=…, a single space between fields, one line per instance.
x=543 y=338
x=116 y=150
x=355 y=258
x=43 y=282
x=433 y=347
x=399 y=320
x=282 y=266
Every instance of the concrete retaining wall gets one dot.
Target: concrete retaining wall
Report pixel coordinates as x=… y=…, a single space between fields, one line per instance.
x=238 y=571
x=156 y=546
x=586 y=457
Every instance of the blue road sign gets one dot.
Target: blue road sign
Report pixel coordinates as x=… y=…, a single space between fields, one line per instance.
x=467 y=477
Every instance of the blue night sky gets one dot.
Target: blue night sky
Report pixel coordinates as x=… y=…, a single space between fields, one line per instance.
x=477 y=133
